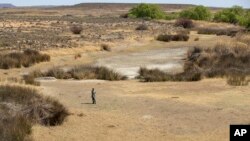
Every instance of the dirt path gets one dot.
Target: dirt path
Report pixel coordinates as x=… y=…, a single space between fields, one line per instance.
x=130 y=110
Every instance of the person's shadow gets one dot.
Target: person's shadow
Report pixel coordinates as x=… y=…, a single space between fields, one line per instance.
x=87 y=103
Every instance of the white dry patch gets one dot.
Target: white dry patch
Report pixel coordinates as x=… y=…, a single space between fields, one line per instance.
x=167 y=59
x=147 y=117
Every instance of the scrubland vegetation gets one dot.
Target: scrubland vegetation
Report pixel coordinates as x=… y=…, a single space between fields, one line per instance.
x=147 y=11
x=234 y=15
x=196 y=13
x=231 y=61
x=26 y=58
x=77 y=72
x=21 y=107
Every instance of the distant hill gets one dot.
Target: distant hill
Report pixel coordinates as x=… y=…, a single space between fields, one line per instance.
x=127 y=6
x=6 y=5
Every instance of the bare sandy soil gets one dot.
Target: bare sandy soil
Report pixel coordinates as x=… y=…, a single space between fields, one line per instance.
x=127 y=110
x=131 y=110
x=167 y=59
x=135 y=111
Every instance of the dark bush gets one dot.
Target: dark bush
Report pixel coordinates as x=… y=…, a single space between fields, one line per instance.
x=178 y=37
x=124 y=15
x=105 y=47
x=185 y=23
x=76 y=29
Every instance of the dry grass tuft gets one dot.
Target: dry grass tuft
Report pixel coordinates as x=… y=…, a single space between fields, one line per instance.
x=20 y=107
x=218 y=31
x=78 y=73
x=224 y=60
x=26 y=58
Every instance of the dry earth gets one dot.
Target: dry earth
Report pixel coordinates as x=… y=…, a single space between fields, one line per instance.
x=126 y=110
x=130 y=110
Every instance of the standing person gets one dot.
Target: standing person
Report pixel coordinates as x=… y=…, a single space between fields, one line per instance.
x=93 y=92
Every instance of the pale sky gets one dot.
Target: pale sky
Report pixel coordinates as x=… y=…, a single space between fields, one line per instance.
x=216 y=3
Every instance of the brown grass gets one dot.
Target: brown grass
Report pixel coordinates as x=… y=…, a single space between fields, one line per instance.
x=20 y=107
x=156 y=75
x=26 y=58
x=78 y=72
x=231 y=61
x=223 y=60
x=218 y=31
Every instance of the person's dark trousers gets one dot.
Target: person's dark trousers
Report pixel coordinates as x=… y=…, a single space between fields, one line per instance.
x=94 y=101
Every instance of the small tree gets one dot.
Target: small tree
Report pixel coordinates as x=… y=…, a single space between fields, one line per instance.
x=149 y=11
x=197 y=13
x=230 y=15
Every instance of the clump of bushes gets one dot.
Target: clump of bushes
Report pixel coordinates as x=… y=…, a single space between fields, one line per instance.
x=223 y=60
x=78 y=73
x=25 y=107
x=156 y=75
x=147 y=11
x=230 y=15
x=234 y=15
x=218 y=31
x=76 y=29
x=26 y=58
x=196 y=13
x=125 y=15
x=185 y=23
x=230 y=61
x=168 y=38
x=142 y=27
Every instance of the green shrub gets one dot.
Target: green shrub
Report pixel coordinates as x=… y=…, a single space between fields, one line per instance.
x=149 y=11
x=197 y=13
x=171 y=16
x=245 y=20
x=234 y=15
